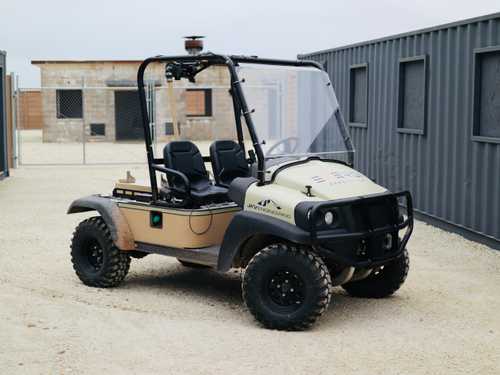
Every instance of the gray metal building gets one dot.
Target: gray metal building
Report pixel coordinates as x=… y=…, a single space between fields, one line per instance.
x=423 y=110
x=4 y=168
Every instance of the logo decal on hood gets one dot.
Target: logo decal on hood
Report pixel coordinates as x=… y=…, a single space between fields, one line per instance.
x=270 y=207
x=269 y=203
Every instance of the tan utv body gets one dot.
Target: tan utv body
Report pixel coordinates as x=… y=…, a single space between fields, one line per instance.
x=297 y=223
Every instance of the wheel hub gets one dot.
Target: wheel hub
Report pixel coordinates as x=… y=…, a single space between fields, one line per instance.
x=286 y=288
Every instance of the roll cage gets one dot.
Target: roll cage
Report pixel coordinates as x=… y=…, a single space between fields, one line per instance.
x=188 y=66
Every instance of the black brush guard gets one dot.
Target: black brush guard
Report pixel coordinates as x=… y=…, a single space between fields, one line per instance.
x=332 y=243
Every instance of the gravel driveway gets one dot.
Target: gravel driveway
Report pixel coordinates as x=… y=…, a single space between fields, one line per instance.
x=172 y=320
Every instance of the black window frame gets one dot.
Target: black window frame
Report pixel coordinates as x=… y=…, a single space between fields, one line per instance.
x=476 y=95
x=400 y=105
x=350 y=112
x=169 y=125
x=97 y=125
x=59 y=115
x=208 y=102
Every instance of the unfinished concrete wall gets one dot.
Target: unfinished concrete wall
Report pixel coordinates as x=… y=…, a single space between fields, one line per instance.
x=100 y=80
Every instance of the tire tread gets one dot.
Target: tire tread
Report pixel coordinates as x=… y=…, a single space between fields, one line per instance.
x=118 y=263
x=322 y=282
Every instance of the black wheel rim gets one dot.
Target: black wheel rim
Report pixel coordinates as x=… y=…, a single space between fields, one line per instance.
x=95 y=255
x=286 y=288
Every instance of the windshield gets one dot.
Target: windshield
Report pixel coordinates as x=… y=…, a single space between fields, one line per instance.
x=295 y=111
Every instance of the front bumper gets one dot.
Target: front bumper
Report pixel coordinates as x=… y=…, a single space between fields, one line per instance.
x=370 y=221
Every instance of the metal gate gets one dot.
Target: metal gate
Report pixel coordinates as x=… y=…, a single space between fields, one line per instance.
x=93 y=125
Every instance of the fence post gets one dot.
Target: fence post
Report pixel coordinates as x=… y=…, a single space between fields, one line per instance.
x=13 y=110
x=18 y=133
x=84 y=160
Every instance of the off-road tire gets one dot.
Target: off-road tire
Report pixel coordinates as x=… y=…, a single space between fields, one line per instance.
x=382 y=283
x=275 y=260
x=192 y=265
x=113 y=264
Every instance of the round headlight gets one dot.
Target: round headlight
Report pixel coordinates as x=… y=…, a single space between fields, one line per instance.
x=329 y=217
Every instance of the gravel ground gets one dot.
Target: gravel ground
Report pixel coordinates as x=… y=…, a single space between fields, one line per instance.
x=35 y=152
x=168 y=319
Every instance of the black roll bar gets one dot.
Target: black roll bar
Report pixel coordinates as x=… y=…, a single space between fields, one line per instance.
x=239 y=103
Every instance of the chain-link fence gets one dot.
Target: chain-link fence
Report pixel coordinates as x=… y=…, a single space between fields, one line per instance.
x=88 y=125
x=95 y=119
x=94 y=125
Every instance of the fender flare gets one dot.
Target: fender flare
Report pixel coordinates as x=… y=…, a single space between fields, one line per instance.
x=246 y=224
x=110 y=212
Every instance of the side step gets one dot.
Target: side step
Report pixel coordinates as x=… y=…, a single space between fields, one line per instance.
x=206 y=256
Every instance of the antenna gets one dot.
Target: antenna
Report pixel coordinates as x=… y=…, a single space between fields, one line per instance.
x=193 y=44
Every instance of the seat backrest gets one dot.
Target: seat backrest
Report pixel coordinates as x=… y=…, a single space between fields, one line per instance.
x=184 y=156
x=228 y=162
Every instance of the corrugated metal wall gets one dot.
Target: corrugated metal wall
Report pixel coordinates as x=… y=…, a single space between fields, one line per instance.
x=452 y=176
x=4 y=171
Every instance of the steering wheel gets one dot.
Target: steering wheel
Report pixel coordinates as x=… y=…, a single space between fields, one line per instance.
x=289 y=145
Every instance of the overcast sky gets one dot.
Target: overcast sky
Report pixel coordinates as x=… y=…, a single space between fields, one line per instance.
x=129 y=29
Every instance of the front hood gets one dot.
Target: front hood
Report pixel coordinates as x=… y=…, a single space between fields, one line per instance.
x=328 y=180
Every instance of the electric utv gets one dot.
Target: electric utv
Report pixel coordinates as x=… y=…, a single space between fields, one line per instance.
x=284 y=203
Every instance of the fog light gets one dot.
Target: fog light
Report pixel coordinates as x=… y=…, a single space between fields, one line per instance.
x=329 y=217
x=387 y=242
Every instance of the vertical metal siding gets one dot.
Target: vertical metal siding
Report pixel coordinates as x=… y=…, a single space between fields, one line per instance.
x=451 y=176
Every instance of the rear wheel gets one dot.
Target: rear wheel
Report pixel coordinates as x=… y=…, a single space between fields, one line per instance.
x=286 y=287
x=383 y=281
x=96 y=260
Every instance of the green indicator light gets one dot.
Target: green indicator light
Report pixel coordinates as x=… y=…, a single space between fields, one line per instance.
x=156 y=219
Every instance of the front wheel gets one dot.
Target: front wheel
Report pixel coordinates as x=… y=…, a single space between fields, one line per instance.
x=286 y=287
x=96 y=260
x=382 y=282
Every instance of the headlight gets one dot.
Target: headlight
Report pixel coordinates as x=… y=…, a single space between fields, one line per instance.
x=324 y=219
x=329 y=217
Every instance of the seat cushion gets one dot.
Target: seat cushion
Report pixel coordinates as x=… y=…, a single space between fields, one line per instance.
x=210 y=194
x=228 y=162
x=184 y=156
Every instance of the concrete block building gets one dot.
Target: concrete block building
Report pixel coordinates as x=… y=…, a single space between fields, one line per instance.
x=97 y=100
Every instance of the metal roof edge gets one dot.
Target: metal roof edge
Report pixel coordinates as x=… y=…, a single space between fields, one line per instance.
x=467 y=21
x=42 y=62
